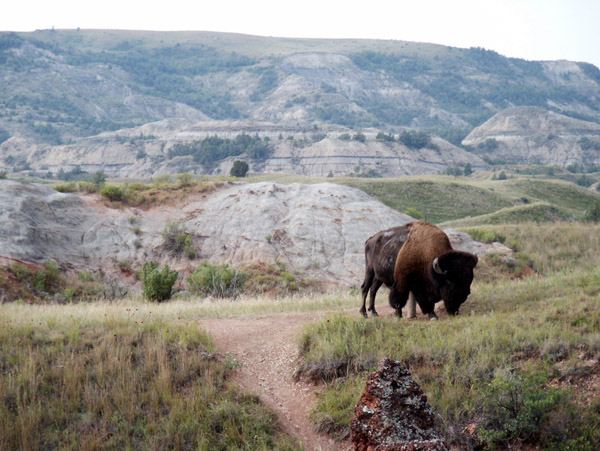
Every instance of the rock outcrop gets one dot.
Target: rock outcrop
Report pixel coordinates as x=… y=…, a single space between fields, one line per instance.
x=530 y=135
x=144 y=151
x=317 y=230
x=393 y=413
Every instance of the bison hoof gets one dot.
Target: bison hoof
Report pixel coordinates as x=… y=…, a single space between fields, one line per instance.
x=433 y=318
x=374 y=313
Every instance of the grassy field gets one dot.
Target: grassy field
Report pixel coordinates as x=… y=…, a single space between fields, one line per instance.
x=531 y=346
x=131 y=375
x=520 y=364
x=444 y=198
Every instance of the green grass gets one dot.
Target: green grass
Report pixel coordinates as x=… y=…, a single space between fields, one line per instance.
x=537 y=212
x=530 y=332
x=438 y=198
x=502 y=328
x=104 y=376
x=443 y=199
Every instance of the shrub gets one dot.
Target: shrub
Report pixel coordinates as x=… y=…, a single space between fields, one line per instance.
x=46 y=279
x=112 y=193
x=178 y=240
x=593 y=214
x=3 y=175
x=70 y=187
x=585 y=181
x=185 y=179
x=220 y=281
x=415 y=139
x=344 y=137
x=239 y=169
x=360 y=137
x=158 y=284
x=98 y=179
x=486 y=236
x=381 y=136
x=515 y=407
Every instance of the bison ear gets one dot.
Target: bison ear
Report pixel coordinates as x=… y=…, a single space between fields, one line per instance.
x=436 y=266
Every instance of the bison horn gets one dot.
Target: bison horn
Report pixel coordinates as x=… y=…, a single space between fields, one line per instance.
x=436 y=267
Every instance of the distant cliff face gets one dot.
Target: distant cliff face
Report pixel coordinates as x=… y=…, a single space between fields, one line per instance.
x=528 y=135
x=150 y=150
x=61 y=88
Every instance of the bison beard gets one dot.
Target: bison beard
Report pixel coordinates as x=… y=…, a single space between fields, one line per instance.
x=428 y=267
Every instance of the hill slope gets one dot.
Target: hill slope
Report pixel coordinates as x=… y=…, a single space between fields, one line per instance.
x=61 y=86
x=528 y=135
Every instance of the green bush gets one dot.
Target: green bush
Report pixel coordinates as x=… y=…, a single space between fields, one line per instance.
x=360 y=137
x=158 y=284
x=70 y=187
x=593 y=214
x=185 y=179
x=415 y=139
x=220 y=281
x=515 y=407
x=178 y=240
x=486 y=236
x=46 y=279
x=239 y=169
x=112 y=193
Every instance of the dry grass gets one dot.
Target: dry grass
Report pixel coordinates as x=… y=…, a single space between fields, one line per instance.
x=120 y=376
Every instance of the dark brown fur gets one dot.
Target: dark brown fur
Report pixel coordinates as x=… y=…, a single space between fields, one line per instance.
x=414 y=271
x=381 y=251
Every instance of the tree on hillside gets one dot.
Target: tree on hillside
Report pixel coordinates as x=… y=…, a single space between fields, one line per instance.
x=468 y=170
x=239 y=169
x=98 y=179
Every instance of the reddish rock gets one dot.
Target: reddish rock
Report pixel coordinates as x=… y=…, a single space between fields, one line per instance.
x=393 y=413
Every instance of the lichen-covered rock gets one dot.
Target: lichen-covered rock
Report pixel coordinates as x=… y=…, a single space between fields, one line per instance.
x=393 y=413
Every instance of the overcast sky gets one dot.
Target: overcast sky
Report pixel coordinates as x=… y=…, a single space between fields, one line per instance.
x=530 y=29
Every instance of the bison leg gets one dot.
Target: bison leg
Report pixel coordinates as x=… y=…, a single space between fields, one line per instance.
x=428 y=309
x=365 y=287
x=376 y=284
x=412 y=306
x=398 y=299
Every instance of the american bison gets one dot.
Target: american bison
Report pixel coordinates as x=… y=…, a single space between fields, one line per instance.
x=381 y=251
x=428 y=267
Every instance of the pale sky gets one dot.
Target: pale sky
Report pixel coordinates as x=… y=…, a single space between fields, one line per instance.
x=530 y=29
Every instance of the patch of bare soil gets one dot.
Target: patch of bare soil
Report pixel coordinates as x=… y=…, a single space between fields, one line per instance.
x=267 y=348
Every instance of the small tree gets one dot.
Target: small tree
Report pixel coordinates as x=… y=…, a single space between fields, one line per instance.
x=360 y=137
x=593 y=214
x=98 y=179
x=158 y=284
x=112 y=193
x=239 y=169
x=468 y=170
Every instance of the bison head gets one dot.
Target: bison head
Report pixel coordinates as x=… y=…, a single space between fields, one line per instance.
x=453 y=273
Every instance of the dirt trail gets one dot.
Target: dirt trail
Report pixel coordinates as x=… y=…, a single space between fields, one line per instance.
x=267 y=347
